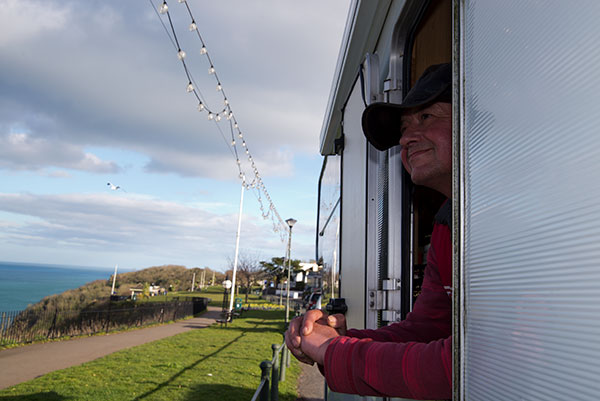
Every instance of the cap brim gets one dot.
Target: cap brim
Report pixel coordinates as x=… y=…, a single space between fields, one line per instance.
x=381 y=124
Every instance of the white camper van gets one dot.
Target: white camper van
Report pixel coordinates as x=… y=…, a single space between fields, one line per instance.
x=526 y=194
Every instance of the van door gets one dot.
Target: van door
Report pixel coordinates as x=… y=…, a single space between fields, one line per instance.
x=528 y=141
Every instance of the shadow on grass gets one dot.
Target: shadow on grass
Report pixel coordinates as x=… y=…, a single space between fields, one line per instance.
x=224 y=392
x=221 y=392
x=45 y=396
x=193 y=365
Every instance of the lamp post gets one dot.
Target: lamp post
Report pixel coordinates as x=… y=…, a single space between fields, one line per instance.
x=290 y=223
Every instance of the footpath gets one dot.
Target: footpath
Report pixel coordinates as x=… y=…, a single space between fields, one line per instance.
x=22 y=364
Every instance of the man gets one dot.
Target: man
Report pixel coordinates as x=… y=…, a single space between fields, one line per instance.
x=412 y=358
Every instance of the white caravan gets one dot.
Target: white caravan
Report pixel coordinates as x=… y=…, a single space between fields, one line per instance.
x=526 y=194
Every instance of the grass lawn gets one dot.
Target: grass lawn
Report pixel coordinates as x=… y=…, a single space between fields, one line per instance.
x=206 y=364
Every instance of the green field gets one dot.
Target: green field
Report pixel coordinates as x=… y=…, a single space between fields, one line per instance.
x=206 y=364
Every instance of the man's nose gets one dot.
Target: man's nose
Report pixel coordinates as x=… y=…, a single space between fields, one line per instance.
x=410 y=134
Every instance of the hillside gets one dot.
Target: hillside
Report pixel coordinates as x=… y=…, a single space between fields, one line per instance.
x=96 y=293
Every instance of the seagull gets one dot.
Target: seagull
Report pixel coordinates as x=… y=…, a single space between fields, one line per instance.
x=115 y=187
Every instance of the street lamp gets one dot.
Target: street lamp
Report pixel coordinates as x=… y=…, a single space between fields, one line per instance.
x=290 y=223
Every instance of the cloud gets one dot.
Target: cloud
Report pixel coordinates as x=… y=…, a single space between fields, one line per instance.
x=24 y=20
x=158 y=230
x=105 y=74
x=20 y=151
x=277 y=164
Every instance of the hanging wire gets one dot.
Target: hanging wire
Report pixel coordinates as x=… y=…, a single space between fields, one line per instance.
x=218 y=114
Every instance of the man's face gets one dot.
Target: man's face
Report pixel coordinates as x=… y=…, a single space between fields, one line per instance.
x=427 y=146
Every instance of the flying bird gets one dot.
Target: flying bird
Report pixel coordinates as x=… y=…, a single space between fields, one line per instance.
x=115 y=187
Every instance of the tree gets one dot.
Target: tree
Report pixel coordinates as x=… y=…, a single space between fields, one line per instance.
x=276 y=269
x=249 y=270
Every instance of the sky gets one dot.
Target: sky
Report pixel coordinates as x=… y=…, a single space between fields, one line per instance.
x=93 y=92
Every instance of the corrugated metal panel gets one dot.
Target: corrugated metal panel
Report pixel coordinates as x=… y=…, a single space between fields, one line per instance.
x=532 y=212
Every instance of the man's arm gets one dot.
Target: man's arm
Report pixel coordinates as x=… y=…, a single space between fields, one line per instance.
x=410 y=370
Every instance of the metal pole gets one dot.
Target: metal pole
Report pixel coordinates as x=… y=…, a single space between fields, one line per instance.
x=289 y=252
x=237 y=246
x=112 y=291
x=265 y=367
x=275 y=372
x=283 y=364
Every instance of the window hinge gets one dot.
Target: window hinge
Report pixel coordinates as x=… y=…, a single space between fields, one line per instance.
x=386 y=300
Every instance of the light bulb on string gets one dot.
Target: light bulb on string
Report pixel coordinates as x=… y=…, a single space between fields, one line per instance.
x=200 y=106
x=190 y=87
x=244 y=143
x=237 y=161
x=182 y=1
x=235 y=125
x=219 y=87
x=226 y=102
x=218 y=117
x=240 y=135
x=180 y=54
x=233 y=143
x=211 y=116
x=163 y=8
x=230 y=115
x=193 y=26
x=203 y=50
x=211 y=70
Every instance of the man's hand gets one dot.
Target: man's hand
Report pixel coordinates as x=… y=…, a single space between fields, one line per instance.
x=304 y=325
x=314 y=345
x=292 y=340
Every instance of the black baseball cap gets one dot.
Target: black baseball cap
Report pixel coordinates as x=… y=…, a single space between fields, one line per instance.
x=381 y=121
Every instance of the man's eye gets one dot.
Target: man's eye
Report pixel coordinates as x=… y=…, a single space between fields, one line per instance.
x=425 y=116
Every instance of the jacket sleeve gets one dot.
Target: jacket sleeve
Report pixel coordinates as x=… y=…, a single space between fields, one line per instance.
x=411 y=370
x=410 y=359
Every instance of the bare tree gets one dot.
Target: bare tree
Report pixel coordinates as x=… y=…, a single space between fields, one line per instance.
x=249 y=270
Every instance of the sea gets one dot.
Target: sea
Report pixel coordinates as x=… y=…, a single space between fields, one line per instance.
x=22 y=284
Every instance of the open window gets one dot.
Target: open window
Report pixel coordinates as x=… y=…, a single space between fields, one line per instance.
x=428 y=43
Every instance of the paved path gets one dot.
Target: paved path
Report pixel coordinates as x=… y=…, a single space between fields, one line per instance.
x=25 y=363
x=311 y=384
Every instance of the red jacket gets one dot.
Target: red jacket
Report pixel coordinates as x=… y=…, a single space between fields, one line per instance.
x=409 y=359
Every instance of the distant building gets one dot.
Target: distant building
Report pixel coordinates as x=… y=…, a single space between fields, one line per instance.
x=310 y=274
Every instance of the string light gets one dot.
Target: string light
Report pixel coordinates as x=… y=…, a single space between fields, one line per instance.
x=256 y=183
